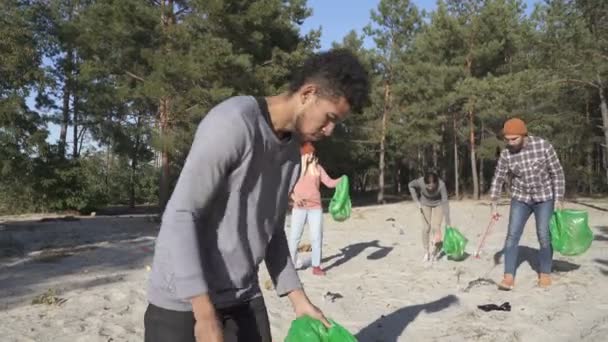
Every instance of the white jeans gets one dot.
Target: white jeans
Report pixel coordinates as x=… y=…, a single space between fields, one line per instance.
x=299 y=217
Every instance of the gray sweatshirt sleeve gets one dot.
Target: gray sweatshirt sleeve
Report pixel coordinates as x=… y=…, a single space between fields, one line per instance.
x=413 y=185
x=204 y=172
x=445 y=203
x=279 y=264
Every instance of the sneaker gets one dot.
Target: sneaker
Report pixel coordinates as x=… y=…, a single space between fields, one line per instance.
x=435 y=250
x=507 y=283
x=544 y=280
x=318 y=271
x=427 y=257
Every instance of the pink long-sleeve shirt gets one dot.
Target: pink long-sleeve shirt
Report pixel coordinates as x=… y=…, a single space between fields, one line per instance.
x=307 y=189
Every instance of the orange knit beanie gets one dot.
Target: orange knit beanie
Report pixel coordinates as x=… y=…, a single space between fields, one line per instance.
x=515 y=126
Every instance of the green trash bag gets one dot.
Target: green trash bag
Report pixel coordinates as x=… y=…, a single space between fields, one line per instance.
x=570 y=232
x=340 y=205
x=454 y=243
x=307 y=329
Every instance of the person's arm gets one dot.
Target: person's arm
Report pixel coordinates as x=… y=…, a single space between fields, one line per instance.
x=279 y=263
x=557 y=174
x=500 y=175
x=205 y=171
x=326 y=180
x=413 y=186
x=445 y=204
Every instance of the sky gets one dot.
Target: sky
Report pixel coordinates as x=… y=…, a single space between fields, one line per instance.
x=336 y=18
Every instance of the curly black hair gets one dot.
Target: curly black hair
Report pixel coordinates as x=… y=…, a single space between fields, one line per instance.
x=431 y=177
x=337 y=72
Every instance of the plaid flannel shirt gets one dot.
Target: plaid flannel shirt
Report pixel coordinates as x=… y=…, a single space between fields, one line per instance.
x=536 y=172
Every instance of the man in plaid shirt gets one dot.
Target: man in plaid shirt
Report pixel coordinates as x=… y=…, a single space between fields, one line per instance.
x=537 y=186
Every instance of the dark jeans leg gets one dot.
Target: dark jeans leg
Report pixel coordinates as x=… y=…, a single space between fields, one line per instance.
x=542 y=214
x=518 y=216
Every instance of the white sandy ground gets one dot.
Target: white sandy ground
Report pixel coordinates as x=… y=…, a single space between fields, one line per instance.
x=386 y=293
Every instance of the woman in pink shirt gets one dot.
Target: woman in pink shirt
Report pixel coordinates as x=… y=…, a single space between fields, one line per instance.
x=307 y=206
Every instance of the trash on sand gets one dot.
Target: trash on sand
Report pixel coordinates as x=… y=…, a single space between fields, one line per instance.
x=493 y=307
x=479 y=282
x=331 y=296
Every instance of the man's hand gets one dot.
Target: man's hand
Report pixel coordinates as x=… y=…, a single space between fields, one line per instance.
x=559 y=205
x=207 y=327
x=303 y=307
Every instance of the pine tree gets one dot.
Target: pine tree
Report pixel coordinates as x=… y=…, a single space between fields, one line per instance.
x=393 y=28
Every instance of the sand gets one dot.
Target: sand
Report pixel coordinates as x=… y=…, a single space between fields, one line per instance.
x=376 y=284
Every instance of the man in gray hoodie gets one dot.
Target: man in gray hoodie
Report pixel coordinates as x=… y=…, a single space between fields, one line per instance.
x=227 y=212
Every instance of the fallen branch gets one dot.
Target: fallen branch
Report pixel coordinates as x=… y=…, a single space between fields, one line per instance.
x=134 y=76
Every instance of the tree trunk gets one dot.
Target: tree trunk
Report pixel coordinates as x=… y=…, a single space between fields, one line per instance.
x=419 y=163
x=590 y=171
x=75 y=122
x=107 y=178
x=599 y=158
x=164 y=112
x=423 y=163
x=443 y=154
x=67 y=88
x=604 y=110
x=468 y=73
x=65 y=121
x=456 y=173
x=398 y=178
x=360 y=182
x=589 y=157
x=164 y=174
x=134 y=163
x=81 y=137
x=435 y=157
x=482 y=180
x=132 y=181
x=473 y=155
x=65 y=110
x=381 y=166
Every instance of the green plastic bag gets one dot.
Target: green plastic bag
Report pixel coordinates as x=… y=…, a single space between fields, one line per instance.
x=570 y=232
x=454 y=243
x=340 y=205
x=307 y=329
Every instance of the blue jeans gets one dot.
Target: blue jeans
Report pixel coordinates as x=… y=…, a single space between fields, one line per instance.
x=299 y=217
x=520 y=212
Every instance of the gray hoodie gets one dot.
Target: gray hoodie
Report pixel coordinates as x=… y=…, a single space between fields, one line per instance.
x=227 y=212
x=431 y=199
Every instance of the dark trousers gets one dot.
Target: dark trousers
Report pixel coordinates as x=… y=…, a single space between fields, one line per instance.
x=243 y=322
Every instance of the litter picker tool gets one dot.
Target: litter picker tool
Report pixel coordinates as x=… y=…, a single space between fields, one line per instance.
x=493 y=220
